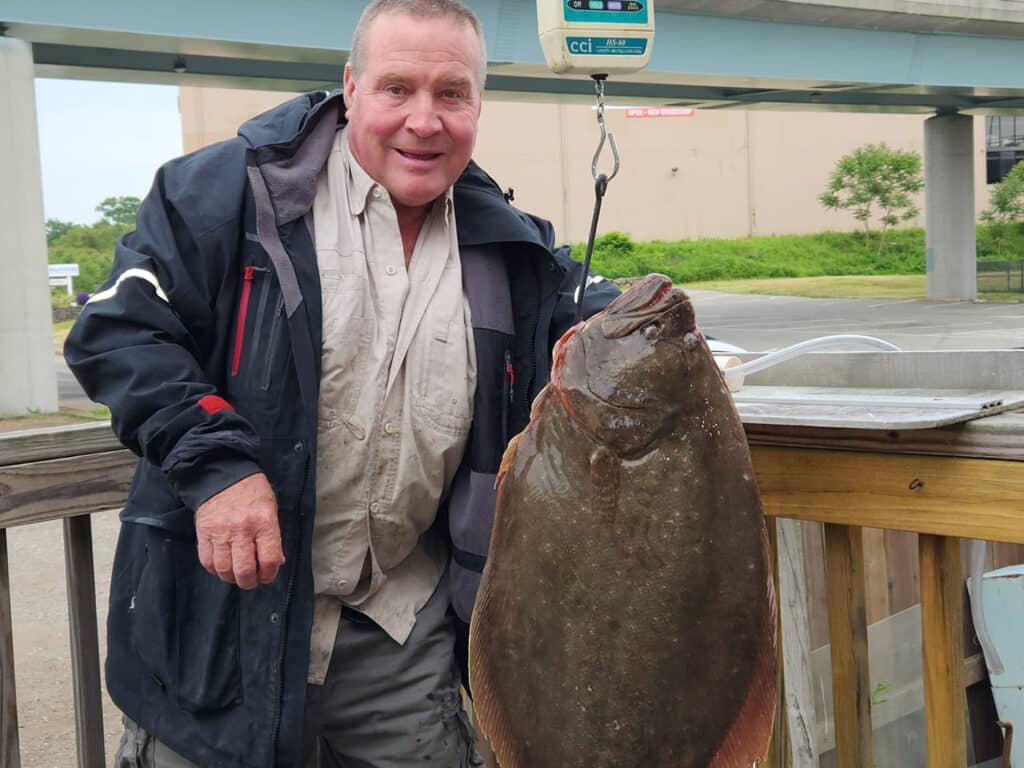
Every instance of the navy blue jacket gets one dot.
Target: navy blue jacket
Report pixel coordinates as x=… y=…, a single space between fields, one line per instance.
x=205 y=344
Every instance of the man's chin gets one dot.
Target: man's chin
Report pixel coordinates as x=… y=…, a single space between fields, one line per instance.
x=416 y=198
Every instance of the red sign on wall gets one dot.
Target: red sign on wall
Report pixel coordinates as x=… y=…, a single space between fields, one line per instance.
x=660 y=112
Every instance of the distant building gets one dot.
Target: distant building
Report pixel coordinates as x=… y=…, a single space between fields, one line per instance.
x=717 y=174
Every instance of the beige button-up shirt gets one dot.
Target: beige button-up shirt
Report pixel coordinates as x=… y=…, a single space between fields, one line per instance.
x=396 y=401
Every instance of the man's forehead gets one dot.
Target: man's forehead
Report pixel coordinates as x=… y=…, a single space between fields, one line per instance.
x=392 y=58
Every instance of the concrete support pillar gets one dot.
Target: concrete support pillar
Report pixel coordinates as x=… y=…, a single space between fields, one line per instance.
x=26 y=330
x=949 y=207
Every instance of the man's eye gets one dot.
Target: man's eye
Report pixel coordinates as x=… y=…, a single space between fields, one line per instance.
x=451 y=93
x=395 y=90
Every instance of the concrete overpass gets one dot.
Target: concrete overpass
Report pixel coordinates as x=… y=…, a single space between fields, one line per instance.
x=905 y=55
x=955 y=59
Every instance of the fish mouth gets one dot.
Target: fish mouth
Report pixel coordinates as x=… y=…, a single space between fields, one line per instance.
x=648 y=300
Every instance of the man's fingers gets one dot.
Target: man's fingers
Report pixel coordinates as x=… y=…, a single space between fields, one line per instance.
x=222 y=565
x=243 y=558
x=238 y=534
x=269 y=552
x=206 y=554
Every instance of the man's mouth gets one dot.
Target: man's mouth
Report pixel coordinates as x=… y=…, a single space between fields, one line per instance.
x=418 y=156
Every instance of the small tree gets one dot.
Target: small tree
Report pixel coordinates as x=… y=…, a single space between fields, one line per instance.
x=120 y=210
x=876 y=179
x=1006 y=205
x=56 y=228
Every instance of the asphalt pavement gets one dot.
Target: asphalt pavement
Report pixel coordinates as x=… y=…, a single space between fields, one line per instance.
x=763 y=323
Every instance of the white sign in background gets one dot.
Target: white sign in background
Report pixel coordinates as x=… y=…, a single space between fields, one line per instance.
x=62 y=274
x=63 y=270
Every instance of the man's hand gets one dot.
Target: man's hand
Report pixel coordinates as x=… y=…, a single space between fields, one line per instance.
x=239 y=537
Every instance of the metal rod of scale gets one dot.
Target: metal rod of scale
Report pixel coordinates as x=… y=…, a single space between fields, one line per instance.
x=596 y=38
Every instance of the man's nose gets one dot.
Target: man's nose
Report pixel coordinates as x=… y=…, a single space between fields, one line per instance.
x=423 y=118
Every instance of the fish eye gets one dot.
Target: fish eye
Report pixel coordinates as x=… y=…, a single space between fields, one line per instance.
x=652 y=331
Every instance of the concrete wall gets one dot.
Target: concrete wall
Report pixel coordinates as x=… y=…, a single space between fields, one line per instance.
x=718 y=174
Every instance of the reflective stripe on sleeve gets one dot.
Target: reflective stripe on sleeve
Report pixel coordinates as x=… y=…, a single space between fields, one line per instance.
x=136 y=272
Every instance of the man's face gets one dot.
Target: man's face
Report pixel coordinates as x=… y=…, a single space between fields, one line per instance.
x=413 y=110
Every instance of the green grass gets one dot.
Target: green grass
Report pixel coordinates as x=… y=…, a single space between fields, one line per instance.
x=834 y=287
x=841 y=287
x=782 y=256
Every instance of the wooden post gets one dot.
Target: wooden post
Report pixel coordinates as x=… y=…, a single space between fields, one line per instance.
x=10 y=753
x=85 y=664
x=848 y=630
x=943 y=651
x=796 y=647
x=778 y=750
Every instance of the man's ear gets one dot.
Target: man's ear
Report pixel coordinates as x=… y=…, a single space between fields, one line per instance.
x=349 y=86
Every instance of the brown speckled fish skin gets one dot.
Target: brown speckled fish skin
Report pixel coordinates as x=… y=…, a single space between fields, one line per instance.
x=626 y=615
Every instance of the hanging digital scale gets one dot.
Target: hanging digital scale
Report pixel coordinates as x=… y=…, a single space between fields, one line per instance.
x=610 y=37
x=596 y=38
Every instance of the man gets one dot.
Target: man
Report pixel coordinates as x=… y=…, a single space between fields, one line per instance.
x=319 y=366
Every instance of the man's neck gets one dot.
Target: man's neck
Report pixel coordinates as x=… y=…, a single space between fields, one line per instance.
x=410 y=222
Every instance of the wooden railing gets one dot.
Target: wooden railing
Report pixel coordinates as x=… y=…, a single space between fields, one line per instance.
x=945 y=484
x=62 y=473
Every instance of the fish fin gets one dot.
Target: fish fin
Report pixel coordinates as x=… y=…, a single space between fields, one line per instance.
x=490 y=716
x=507 y=459
x=604 y=485
x=749 y=738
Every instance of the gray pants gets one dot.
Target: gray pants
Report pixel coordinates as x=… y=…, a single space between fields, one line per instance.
x=382 y=705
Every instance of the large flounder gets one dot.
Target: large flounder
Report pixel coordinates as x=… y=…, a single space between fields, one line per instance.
x=626 y=615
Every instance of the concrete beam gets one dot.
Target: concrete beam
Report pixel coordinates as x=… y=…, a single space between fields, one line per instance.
x=26 y=331
x=950 y=246
x=716 y=53
x=995 y=18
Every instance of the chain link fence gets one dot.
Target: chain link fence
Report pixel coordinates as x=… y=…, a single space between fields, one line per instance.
x=1006 y=276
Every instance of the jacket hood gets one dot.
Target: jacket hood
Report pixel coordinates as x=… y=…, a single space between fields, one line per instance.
x=279 y=131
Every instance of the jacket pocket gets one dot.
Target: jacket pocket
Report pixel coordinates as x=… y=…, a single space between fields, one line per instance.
x=273 y=343
x=209 y=669
x=185 y=625
x=250 y=276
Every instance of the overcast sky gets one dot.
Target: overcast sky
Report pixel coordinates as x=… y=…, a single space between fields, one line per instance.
x=99 y=140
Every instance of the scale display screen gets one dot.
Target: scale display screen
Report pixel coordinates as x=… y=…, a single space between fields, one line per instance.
x=606 y=11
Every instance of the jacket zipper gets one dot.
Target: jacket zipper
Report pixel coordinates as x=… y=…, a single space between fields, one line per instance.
x=275 y=327
x=248 y=276
x=276 y=725
x=261 y=310
x=508 y=388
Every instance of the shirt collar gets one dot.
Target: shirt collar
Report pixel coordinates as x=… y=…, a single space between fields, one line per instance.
x=361 y=185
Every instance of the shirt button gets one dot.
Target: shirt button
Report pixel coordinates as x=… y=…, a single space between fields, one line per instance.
x=374 y=507
x=390 y=270
x=389 y=428
x=376 y=192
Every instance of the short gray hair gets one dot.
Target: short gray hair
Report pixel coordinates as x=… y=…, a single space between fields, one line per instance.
x=424 y=9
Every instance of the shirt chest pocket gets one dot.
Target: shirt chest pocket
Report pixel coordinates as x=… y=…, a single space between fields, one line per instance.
x=445 y=376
